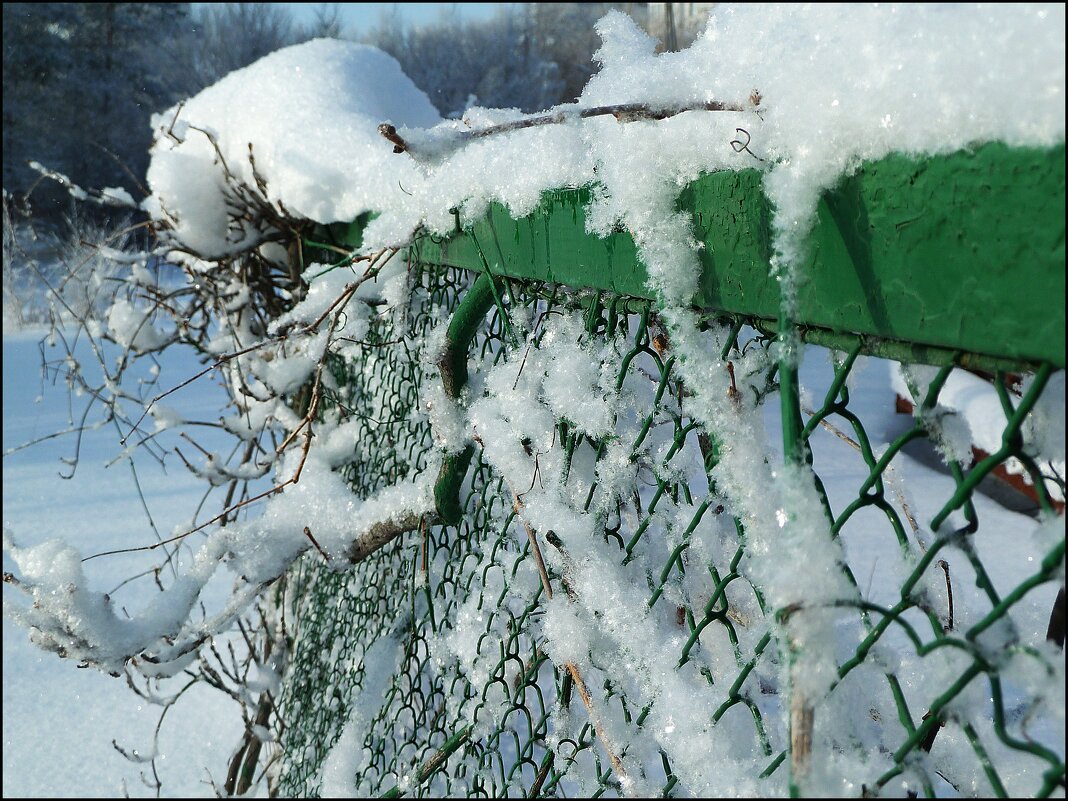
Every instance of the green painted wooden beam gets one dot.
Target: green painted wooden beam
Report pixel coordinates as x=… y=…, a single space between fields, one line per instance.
x=960 y=252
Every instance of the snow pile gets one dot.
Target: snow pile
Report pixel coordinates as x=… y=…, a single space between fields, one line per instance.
x=305 y=120
x=970 y=415
x=133 y=329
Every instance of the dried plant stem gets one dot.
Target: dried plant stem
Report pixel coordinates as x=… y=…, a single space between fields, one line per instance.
x=584 y=694
x=339 y=303
x=213 y=366
x=942 y=563
x=829 y=426
x=539 y=780
x=909 y=516
x=243 y=764
x=1055 y=630
x=539 y=561
x=184 y=534
x=623 y=112
x=801 y=719
x=571 y=667
x=314 y=542
x=382 y=533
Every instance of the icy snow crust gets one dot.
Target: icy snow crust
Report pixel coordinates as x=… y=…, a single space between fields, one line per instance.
x=837 y=86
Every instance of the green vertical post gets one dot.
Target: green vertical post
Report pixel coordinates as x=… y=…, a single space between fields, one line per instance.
x=801 y=712
x=453 y=366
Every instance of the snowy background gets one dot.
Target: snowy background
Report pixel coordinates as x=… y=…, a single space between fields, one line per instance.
x=59 y=722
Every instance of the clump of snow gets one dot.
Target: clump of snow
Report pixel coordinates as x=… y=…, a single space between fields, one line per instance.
x=76 y=622
x=1044 y=427
x=132 y=327
x=969 y=414
x=446 y=418
x=306 y=119
x=577 y=386
x=348 y=758
x=948 y=423
x=166 y=417
x=119 y=195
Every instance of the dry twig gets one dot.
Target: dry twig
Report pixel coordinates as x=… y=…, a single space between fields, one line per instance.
x=623 y=112
x=571 y=667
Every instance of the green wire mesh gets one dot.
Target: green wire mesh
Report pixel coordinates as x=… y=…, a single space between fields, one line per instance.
x=505 y=720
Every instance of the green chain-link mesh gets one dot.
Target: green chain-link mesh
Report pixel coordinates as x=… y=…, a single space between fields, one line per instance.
x=512 y=723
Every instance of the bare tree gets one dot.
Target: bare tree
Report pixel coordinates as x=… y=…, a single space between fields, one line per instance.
x=326 y=23
x=228 y=36
x=497 y=63
x=564 y=33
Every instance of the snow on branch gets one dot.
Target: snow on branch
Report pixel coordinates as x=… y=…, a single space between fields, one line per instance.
x=622 y=112
x=66 y=617
x=108 y=196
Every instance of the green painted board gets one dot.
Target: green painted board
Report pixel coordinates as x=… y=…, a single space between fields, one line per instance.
x=960 y=252
x=964 y=251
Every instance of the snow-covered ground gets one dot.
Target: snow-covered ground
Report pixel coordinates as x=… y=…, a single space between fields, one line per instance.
x=59 y=722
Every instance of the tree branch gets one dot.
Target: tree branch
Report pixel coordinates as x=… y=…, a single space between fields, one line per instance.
x=381 y=534
x=623 y=112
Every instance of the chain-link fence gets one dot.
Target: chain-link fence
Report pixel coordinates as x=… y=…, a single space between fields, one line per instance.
x=601 y=625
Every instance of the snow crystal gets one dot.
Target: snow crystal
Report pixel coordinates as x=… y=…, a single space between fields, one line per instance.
x=132 y=328
x=119 y=194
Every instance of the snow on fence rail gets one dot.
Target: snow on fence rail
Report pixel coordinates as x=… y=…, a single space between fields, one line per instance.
x=532 y=388
x=586 y=539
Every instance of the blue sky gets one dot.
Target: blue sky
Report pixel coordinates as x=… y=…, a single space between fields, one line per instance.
x=359 y=18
